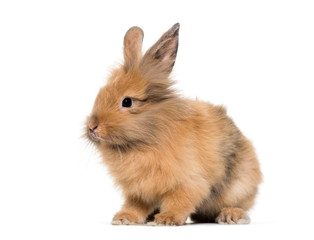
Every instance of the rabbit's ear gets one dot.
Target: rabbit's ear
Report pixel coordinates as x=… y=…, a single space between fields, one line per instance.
x=163 y=53
x=132 y=46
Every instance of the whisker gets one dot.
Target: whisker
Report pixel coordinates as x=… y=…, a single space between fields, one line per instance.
x=91 y=143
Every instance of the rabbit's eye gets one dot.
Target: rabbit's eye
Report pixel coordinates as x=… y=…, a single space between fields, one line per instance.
x=127 y=102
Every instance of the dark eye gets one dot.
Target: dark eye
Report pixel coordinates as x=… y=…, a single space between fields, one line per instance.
x=127 y=102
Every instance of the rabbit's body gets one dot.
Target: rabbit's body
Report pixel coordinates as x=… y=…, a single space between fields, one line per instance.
x=167 y=153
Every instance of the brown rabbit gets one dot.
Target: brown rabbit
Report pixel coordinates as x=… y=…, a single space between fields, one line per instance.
x=173 y=157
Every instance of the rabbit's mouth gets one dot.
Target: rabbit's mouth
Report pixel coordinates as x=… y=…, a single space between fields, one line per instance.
x=93 y=136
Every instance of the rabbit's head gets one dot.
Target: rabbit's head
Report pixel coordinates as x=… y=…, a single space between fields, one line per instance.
x=132 y=109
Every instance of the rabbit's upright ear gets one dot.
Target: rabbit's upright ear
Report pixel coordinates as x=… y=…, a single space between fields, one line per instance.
x=132 y=46
x=162 y=54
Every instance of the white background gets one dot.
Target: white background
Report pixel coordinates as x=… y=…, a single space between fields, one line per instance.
x=255 y=57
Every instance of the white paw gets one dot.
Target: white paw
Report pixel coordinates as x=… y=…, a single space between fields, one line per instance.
x=122 y=221
x=233 y=216
x=230 y=220
x=151 y=224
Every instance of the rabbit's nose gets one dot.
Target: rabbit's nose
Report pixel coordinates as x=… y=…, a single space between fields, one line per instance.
x=93 y=128
x=93 y=124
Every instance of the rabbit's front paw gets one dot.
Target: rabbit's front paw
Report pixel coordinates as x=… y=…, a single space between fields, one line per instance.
x=126 y=218
x=167 y=219
x=233 y=216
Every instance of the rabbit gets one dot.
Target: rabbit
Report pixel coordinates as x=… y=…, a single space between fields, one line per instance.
x=172 y=157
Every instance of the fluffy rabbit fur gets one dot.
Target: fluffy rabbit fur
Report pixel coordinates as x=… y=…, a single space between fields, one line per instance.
x=172 y=157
